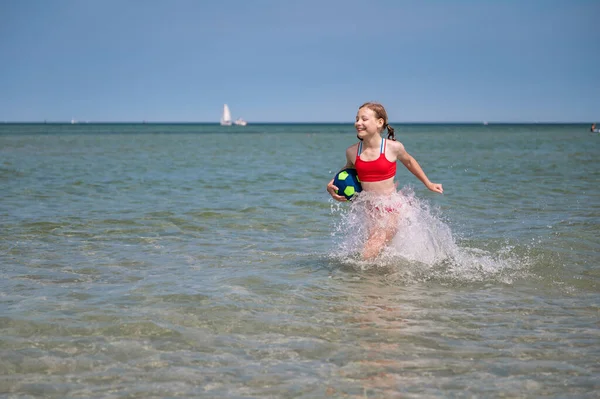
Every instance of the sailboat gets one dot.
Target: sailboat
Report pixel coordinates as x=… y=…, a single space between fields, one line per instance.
x=226 y=118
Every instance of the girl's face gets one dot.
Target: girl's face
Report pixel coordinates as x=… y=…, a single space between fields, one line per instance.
x=367 y=123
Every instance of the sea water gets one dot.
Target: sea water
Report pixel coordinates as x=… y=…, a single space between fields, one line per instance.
x=182 y=260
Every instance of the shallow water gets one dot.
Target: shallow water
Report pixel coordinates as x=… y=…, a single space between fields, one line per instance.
x=201 y=261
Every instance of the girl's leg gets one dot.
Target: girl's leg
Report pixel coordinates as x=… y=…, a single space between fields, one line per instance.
x=380 y=234
x=375 y=243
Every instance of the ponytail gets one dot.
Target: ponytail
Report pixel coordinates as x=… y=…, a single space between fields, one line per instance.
x=390 y=132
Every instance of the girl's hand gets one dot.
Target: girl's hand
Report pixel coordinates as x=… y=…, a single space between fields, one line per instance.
x=331 y=189
x=435 y=187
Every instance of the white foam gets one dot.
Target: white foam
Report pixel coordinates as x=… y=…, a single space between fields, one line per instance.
x=423 y=247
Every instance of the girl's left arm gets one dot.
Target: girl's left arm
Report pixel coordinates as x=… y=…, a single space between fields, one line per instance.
x=413 y=166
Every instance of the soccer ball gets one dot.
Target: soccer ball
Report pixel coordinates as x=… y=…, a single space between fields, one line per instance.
x=347 y=183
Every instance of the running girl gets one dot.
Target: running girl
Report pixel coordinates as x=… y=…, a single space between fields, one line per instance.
x=374 y=158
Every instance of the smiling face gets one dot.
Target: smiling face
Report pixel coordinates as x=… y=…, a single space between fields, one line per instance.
x=367 y=123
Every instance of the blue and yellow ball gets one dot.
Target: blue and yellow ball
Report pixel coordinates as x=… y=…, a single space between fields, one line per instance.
x=347 y=183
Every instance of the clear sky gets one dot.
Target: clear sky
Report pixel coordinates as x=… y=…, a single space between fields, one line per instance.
x=299 y=61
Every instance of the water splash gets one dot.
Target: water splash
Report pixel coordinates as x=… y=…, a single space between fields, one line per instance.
x=423 y=248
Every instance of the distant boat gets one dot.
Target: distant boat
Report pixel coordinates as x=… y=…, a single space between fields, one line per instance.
x=226 y=118
x=240 y=122
x=73 y=121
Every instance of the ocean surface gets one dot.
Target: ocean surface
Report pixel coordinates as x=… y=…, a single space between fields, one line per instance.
x=200 y=261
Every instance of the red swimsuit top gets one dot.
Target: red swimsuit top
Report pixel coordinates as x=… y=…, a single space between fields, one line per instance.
x=376 y=170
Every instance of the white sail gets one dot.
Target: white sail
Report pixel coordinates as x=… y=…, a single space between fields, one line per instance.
x=226 y=118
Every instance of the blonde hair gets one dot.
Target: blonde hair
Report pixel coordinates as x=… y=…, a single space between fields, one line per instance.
x=380 y=112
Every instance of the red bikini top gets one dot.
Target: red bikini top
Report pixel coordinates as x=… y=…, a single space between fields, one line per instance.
x=376 y=170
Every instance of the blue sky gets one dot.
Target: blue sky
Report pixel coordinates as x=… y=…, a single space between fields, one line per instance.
x=299 y=61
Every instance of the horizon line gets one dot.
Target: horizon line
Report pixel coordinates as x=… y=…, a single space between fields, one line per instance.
x=144 y=122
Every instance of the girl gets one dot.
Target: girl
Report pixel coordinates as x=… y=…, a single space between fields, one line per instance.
x=375 y=161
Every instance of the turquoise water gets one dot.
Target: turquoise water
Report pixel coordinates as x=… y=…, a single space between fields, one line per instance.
x=154 y=261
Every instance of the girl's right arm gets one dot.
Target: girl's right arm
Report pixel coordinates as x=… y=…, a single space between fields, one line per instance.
x=331 y=189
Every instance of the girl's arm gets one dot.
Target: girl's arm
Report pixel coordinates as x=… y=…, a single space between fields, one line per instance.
x=413 y=166
x=331 y=189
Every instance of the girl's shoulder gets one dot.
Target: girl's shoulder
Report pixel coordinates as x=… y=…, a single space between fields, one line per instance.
x=351 y=152
x=395 y=145
x=353 y=147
